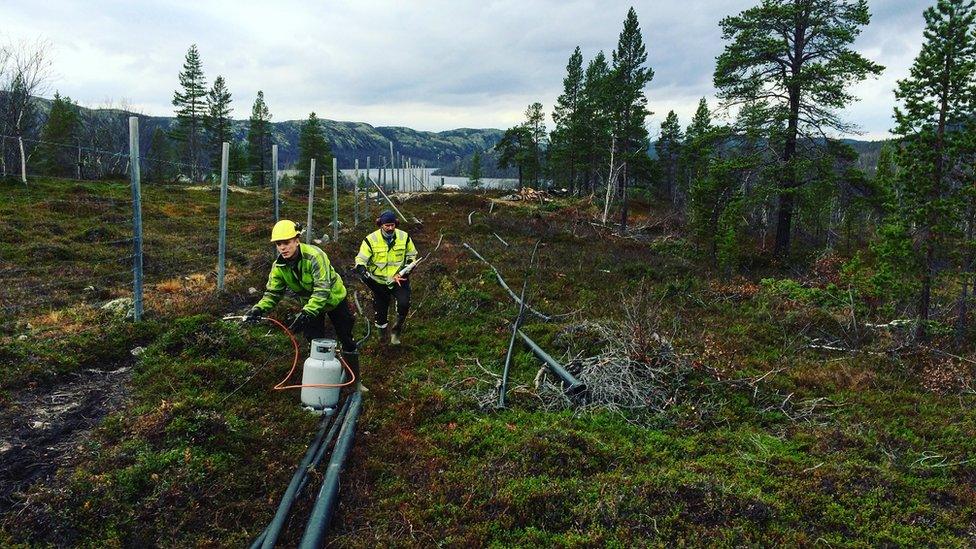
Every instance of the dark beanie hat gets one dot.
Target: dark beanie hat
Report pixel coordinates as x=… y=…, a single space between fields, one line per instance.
x=387 y=217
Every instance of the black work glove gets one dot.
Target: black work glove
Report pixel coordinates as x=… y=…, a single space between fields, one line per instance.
x=253 y=316
x=363 y=275
x=300 y=321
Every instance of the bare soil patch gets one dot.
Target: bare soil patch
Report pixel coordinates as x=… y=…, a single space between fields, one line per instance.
x=41 y=431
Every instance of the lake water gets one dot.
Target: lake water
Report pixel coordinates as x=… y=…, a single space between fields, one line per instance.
x=430 y=181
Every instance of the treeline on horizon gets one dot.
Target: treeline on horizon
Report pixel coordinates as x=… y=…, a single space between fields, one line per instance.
x=770 y=185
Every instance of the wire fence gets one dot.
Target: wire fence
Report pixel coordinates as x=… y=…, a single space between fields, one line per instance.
x=74 y=232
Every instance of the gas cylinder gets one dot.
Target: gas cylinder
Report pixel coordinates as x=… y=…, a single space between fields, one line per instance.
x=322 y=367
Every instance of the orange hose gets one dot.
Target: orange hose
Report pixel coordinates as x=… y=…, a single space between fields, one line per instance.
x=294 y=364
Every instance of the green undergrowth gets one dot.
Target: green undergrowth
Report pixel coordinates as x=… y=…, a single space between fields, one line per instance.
x=774 y=442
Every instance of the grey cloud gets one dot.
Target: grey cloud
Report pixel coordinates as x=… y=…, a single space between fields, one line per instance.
x=400 y=61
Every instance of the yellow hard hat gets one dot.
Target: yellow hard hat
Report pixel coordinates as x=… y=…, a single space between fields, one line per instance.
x=284 y=230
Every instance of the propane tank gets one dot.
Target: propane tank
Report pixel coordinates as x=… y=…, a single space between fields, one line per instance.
x=322 y=367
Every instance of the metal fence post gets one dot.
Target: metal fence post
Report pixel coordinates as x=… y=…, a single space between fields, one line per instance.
x=274 y=178
x=135 y=183
x=366 y=190
x=311 y=194
x=335 y=199
x=221 y=253
x=392 y=180
x=355 y=199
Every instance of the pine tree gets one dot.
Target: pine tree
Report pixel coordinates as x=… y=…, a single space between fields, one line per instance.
x=628 y=79
x=795 y=55
x=191 y=109
x=259 y=139
x=57 y=153
x=312 y=144
x=668 y=149
x=535 y=123
x=709 y=179
x=474 y=175
x=566 y=140
x=158 y=166
x=218 y=121
x=515 y=149
x=237 y=163
x=936 y=110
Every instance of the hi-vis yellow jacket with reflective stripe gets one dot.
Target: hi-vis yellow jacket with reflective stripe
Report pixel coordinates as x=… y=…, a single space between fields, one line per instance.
x=383 y=261
x=312 y=278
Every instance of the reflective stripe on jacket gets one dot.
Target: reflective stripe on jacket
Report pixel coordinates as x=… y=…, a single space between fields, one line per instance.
x=312 y=278
x=382 y=261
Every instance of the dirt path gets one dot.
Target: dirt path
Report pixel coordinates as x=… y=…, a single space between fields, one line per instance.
x=40 y=432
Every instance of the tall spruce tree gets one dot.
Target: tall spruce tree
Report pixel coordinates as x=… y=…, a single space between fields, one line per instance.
x=566 y=140
x=312 y=144
x=259 y=139
x=668 y=149
x=191 y=109
x=597 y=139
x=795 y=55
x=218 y=121
x=57 y=152
x=934 y=121
x=697 y=146
x=629 y=77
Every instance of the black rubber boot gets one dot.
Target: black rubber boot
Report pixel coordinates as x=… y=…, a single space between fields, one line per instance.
x=352 y=359
x=397 y=330
x=383 y=330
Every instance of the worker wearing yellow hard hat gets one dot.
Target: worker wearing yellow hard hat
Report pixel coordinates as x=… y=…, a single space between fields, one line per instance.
x=306 y=270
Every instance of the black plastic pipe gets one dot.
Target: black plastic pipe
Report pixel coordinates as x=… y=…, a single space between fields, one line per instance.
x=503 y=385
x=325 y=503
x=501 y=281
x=313 y=456
x=571 y=385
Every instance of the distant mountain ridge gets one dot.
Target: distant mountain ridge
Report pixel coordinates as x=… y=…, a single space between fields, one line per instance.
x=349 y=140
x=450 y=149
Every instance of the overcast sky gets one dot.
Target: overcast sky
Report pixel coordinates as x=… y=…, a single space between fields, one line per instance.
x=430 y=65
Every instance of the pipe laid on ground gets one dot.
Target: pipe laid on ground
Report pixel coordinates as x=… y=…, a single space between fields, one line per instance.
x=544 y=318
x=503 y=386
x=313 y=456
x=571 y=385
x=318 y=522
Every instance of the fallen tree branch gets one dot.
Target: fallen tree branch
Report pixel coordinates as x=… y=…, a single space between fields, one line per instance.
x=950 y=355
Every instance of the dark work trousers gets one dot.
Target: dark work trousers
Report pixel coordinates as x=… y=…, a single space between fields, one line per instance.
x=342 y=320
x=382 y=295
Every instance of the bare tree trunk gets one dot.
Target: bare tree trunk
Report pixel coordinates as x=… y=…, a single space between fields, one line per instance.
x=23 y=161
x=784 y=217
x=623 y=209
x=610 y=180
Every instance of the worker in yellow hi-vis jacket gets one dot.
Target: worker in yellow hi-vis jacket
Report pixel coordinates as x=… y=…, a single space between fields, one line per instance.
x=383 y=256
x=306 y=270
